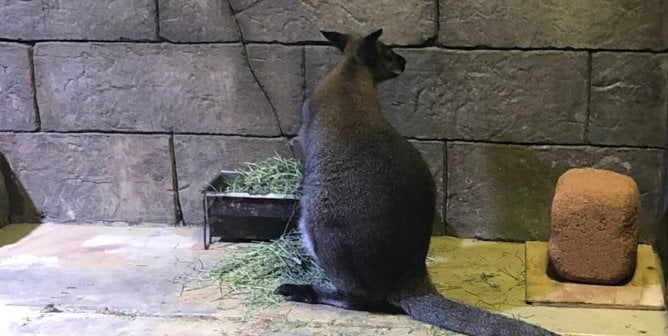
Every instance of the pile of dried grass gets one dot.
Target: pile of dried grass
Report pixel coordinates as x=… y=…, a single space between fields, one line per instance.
x=254 y=271
x=276 y=174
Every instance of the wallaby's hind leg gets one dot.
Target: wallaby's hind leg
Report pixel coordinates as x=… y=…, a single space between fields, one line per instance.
x=329 y=296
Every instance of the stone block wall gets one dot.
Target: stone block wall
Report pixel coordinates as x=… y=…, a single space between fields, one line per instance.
x=122 y=110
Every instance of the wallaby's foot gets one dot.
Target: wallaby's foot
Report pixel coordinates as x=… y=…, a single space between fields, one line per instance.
x=297 y=293
x=329 y=296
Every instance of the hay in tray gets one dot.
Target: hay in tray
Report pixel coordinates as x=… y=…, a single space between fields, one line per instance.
x=275 y=174
x=253 y=272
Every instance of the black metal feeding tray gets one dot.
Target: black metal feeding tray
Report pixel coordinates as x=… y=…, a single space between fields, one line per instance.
x=239 y=216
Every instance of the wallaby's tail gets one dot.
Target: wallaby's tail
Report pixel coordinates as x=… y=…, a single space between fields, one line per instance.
x=434 y=309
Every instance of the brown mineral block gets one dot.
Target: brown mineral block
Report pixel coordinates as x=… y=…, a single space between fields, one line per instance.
x=595 y=221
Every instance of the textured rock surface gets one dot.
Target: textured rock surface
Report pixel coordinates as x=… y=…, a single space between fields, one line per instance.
x=505 y=191
x=299 y=20
x=482 y=95
x=149 y=87
x=434 y=153
x=279 y=70
x=17 y=108
x=200 y=86
x=82 y=177
x=78 y=20
x=594 y=226
x=197 y=21
x=199 y=158
x=622 y=24
x=629 y=99
x=4 y=201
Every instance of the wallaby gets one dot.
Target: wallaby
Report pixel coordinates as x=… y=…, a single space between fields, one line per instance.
x=368 y=201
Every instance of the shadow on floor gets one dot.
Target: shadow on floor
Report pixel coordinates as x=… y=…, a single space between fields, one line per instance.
x=21 y=207
x=12 y=233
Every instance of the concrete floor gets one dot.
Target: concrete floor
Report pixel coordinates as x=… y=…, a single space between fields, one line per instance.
x=119 y=280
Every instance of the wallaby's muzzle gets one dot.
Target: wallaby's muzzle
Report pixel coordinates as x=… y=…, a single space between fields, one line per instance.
x=402 y=63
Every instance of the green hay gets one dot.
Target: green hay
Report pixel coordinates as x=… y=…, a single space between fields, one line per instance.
x=253 y=272
x=273 y=175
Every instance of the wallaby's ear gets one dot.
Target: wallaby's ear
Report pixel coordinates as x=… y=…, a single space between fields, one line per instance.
x=373 y=37
x=338 y=40
x=369 y=45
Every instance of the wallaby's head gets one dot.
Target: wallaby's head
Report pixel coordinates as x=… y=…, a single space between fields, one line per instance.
x=370 y=53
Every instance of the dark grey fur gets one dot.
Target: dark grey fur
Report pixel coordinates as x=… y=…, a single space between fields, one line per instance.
x=368 y=201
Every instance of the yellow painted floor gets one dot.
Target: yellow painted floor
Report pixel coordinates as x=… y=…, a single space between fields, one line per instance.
x=491 y=275
x=73 y=280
